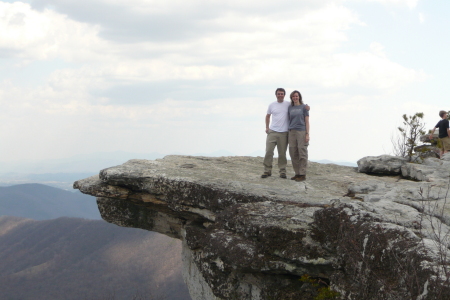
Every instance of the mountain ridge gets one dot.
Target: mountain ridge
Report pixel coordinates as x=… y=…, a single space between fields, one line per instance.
x=39 y=202
x=72 y=258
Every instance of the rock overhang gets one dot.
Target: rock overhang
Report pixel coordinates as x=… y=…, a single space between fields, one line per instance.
x=234 y=223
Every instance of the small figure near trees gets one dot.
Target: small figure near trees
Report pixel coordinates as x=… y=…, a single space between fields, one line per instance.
x=444 y=132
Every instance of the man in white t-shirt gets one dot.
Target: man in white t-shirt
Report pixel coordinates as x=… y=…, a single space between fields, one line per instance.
x=277 y=133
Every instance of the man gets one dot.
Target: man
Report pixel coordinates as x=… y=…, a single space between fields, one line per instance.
x=277 y=133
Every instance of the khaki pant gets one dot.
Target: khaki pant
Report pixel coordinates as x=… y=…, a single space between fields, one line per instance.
x=298 y=150
x=445 y=144
x=280 y=140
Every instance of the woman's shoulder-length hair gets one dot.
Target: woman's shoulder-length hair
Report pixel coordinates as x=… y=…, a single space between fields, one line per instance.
x=299 y=95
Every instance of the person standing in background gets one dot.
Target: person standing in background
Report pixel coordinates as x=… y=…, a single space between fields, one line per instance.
x=444 y=132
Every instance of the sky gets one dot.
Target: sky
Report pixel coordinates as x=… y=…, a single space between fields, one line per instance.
x=196 y=76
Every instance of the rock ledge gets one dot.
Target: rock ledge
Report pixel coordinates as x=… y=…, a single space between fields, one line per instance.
x=367 y=237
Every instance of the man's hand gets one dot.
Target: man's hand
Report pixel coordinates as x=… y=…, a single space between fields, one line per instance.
x=307 y=138
x=307 y=107
x=267 y=130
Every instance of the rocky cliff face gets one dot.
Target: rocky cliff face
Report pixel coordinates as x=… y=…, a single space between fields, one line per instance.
x=365 y=236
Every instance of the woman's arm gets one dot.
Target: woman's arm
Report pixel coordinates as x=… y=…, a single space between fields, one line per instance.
x=307 y=128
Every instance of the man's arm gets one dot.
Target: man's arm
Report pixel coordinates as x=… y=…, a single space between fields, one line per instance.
x=307 y=128
x=267 y=123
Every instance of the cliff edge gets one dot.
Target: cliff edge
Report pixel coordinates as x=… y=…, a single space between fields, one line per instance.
x=381 y=235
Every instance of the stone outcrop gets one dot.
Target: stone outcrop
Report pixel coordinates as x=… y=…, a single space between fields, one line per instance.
x=426 y=148
x=363 y=236
x=383 y=165
x=426 y=137
x=427 y=151
x=430 y=147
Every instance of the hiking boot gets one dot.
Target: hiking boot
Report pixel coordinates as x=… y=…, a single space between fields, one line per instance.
x=282 y=175
x=265 y=174
x=300 y=178
x=293 y=178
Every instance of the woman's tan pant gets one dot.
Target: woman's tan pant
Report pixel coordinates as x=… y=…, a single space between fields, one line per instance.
x=298 y=150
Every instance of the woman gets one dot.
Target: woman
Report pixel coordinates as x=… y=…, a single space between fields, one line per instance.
x=298 y=135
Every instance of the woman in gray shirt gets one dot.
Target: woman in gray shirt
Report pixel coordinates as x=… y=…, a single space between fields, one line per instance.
x=298 y=135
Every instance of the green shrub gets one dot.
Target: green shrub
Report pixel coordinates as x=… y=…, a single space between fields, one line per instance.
x=323 y=292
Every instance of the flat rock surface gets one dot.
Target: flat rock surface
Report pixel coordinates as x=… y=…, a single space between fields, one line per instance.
x=247 y=237
x=243 y=175
x=189 y=183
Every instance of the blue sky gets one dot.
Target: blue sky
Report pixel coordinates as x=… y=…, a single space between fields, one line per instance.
x=174 y=76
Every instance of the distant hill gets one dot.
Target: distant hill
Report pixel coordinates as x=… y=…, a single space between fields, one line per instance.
x=58 y=180
x=341 y=163
x=41 y=202
x=68 y=258
x=82 y=163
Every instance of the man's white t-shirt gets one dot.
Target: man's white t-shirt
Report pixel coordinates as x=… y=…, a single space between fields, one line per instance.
x=279 y=112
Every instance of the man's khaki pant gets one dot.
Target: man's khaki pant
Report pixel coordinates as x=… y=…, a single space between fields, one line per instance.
x=298 y=150
x=280 y=140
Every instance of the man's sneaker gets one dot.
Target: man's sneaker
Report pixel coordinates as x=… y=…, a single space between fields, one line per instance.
x=282 y=175
x=300 y=178
x=266 y=174
x=293 y=178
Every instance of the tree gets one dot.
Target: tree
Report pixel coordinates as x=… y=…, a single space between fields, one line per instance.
x=409 y=134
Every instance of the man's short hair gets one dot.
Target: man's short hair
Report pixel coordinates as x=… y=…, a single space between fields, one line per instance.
x=281 y=90
x=442 y=113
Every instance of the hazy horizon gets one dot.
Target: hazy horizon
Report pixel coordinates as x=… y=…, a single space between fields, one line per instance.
x=94 y=162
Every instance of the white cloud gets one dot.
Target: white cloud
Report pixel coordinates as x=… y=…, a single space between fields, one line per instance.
x=222 y=48
x=421 y=18
x=369 y=70
x=33 y=35
x=409 y=3
x=249 y=49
